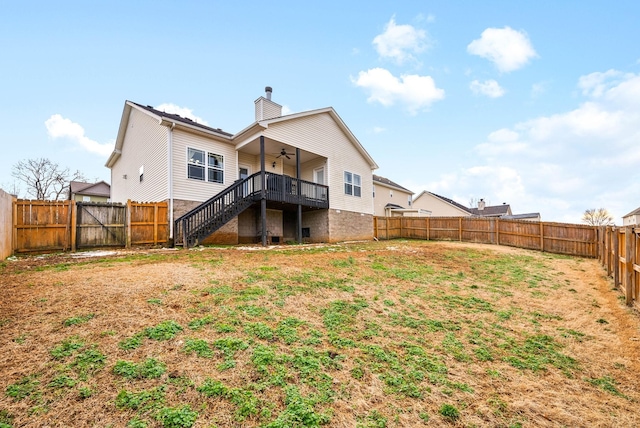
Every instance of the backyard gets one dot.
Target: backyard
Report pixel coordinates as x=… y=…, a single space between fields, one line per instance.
x=367 y=334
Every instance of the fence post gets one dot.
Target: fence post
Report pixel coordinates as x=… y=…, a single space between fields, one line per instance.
x=635 y=234
x=14 y=241
x=460 y=229
x=609 y=250
x=542 y=237
x=497 y=231
x=628 y=269
x=386 y=224
x=616 y=257
x=375 y=227
x=155 y=223
x=74 y=226
x=428 y=227
x=127 y=215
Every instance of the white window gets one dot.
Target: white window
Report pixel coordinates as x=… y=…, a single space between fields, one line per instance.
x=205 y=166
x=409 y=200
x=352 y=184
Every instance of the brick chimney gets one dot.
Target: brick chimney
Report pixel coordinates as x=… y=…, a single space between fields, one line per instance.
x=265 y=108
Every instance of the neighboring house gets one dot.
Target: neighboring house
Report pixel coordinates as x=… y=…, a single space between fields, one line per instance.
x=89 y=192
x=632 y=218
x=527 y=217
x=388 y=196
x=445 y=207
x=491 y=211
x=302 y=176
x=439 y=205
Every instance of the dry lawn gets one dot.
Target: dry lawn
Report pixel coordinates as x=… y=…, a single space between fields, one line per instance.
x=386 y=334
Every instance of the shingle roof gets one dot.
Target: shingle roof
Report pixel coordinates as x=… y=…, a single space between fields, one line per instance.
x=452 y=202
x=388 y=182
x=394 y=206
x=100 y=188
x=521 y=216
x=634 y=212
x=495 y=210
x=181 y=119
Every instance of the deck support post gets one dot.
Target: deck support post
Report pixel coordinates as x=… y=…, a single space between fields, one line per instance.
x=299 y=192
x=263 y=194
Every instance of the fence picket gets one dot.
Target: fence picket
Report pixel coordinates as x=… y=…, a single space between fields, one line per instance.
x=53 y=225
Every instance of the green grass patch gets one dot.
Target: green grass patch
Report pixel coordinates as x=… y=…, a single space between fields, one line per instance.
x=80 y=319
x=147 y=369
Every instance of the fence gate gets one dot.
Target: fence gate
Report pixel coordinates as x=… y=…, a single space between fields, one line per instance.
x=100 y=225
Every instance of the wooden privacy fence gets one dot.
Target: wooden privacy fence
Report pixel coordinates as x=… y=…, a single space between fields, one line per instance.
x=40 y=226
x=560 y=238
x=620 y=255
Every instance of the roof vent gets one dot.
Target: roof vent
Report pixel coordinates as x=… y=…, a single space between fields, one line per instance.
x=268 y=91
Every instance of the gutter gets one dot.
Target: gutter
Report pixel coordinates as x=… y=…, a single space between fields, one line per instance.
x=170 y=178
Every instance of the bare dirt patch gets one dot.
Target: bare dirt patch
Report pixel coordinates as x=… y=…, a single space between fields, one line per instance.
x=398 y=333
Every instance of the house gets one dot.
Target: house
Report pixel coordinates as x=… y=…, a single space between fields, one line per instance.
x=526 y=216
x=491 y=211
x=632 y=218
x=439 y=206
x=89 y=192
x=302 y=177
x=391 y=199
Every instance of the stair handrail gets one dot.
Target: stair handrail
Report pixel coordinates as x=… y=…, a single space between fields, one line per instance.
x=206 y=204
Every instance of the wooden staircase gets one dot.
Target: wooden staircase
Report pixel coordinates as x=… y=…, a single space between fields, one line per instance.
x=211 y=215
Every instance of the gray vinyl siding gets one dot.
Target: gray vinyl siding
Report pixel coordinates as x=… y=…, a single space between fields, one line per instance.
x=145 y=144
x=195 y=190
x=320 y=134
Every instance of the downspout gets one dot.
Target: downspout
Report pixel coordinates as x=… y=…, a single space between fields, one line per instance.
x=170 y=172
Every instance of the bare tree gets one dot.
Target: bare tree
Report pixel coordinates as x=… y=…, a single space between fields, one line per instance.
x=12 y=188
x=597 y=217
x=44 y=179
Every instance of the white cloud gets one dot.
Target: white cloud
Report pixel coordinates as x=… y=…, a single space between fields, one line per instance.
x=400 y=42
x=286 y=110
x=507 y=48
x=538 y=89
x=414 y=91
x=596 y=84
x=59 y=127
x=490 y=88
x=504 y=135
x=378 y=129
x=561 y=164
x=181 y=111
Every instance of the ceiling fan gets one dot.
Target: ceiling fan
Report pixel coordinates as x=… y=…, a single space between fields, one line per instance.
x=284 y=153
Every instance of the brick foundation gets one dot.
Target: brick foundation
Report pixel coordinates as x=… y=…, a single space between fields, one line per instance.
x=323 y=225
x=350 y=226
x=227 y=234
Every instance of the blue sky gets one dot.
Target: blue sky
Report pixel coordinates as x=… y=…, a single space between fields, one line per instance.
x=532 y=103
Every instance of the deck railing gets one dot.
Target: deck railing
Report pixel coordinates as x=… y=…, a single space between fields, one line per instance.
x=214 y=213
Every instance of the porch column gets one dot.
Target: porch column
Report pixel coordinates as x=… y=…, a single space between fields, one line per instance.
x=263 y=194
x=298 y=186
